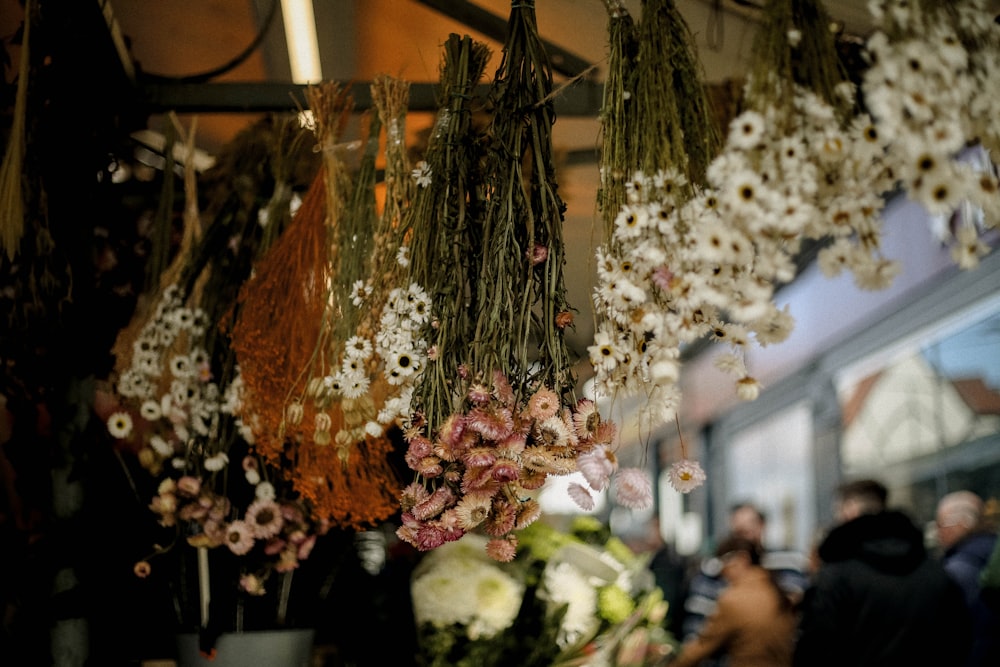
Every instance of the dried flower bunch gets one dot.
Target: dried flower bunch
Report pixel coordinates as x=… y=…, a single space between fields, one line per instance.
x=494 y=414
x=641 y=322
x=180 y=389
x=932 y=90
x=689 y=259
x=312 y=382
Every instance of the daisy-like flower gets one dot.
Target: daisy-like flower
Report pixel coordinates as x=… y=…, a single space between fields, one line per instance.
x=422 y=174
x=403 y=256
x=543 y=404
x=120 y=425
x=686 y=475
x=359 y=292
x=238 y=537
x=264 y=519
x=631 y=221
x=636 y=187
x=150 y=410
x=746 y=131
x=968 y=248
x=604 y=354
x=633 y=489
x=180 y=366
x=747 y=388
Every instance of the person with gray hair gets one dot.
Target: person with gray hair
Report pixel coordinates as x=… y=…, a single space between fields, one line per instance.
x=878 y=599
x=967 y=543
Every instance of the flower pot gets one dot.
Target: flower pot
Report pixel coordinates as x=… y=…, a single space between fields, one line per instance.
x=266 y=648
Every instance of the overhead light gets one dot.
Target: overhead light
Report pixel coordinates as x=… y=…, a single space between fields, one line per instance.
x=303 y=45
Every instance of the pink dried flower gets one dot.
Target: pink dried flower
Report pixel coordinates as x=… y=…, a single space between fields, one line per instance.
x=538 y=253
x=634 y=490
x=502 y=549
x=686 y=475
x=597 y=466
x=581 y=496
x=543 y=404
x=505 y=471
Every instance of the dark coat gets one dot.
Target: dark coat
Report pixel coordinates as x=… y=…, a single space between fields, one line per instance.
x=879 y=599
x=965 y=562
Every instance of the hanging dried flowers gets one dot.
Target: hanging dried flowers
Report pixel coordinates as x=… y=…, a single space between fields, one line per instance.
x=311 y=383
x=497 y=417
x=640 y=321
x=932 y=89
x=180 y=391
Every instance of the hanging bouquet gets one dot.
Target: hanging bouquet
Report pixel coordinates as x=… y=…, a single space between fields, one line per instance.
x=232 y=527
x=494 y=413
x=214 y=403
x=931 y=89
x=568 y=598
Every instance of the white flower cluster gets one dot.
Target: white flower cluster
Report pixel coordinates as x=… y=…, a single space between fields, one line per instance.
x=565 y=584
x=395 y=354
x=170 y=378
x=458 y=584
x=934 y=88
x=684 y=263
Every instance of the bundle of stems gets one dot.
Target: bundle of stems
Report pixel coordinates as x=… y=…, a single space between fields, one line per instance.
x=520 y=305
x=440 y=218
x=391 y=233
x=675 y=125
x=794 y=46
x=618 y=114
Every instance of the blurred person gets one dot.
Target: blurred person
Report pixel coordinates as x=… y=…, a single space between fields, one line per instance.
x=746 y=521
x=967 y=543
x=753 y=622
x=668 y=569
x=878 y=598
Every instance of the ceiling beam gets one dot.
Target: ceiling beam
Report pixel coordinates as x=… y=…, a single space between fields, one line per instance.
x=581 y=99
x=495 y=27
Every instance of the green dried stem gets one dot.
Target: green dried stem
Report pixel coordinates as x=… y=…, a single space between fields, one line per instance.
x=618 y=115
x=391 y=98
x=331 y=105
x=518 y=301
x=357 y=229
x=675 y=122
x=439 y=217
x=811 y=61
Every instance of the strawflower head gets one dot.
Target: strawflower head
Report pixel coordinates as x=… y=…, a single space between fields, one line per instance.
x=686 y=475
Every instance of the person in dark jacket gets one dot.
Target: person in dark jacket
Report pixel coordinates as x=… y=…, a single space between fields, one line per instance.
x=968 y=543
x=878 y=597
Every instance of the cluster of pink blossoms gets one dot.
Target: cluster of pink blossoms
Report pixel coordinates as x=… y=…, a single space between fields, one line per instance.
x=274 y=535
x=481 y=467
